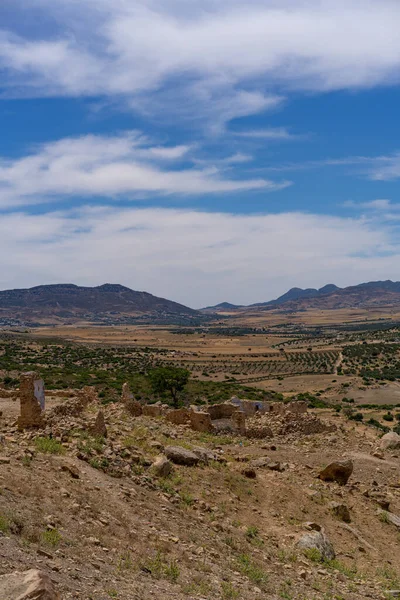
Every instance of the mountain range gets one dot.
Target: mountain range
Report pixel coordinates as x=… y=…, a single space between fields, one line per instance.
x=373 y=294
x=105 y=303
x=116 y=304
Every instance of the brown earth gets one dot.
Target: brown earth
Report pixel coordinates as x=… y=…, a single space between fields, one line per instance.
x=203 y=532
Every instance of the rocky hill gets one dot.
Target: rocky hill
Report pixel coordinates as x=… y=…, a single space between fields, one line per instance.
x=151 y=510
x=374 y=294
x=70 y=302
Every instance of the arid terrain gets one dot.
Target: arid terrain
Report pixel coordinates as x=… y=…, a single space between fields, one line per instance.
x=101 y=515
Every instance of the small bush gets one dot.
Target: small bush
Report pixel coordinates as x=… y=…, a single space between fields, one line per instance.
x=4 y=524
x=357 y=417
x=228 y=591
x=388 y=417
x=48 y=445
x=51 y=537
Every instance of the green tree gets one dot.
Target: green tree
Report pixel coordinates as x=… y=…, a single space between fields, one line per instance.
x=171 y=380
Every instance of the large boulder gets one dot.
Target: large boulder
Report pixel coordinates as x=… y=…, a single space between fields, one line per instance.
x=338 y=470
x=390 y=441
x=30 y=585
x=181 y=456
x=317 y=540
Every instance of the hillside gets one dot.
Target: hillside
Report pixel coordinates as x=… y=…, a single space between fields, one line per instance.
x=374 y=294
x=100 y=521
x=71 y=302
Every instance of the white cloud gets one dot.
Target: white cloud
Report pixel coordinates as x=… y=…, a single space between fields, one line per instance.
x=224 y=58
x=386 y=168
x=126 y=165
x=271 y=133
x=197 y=258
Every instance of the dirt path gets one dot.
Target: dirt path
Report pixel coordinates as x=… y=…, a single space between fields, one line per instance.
x=338 y=363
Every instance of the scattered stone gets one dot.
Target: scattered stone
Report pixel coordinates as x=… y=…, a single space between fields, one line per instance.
x=339 y=471
x=317 y=541
x=378 y=454
x=161 y=466
x=390 y=441
x=4 y=460
x=181 y=456
x=30 y=585
x=341 y=511
x=71 y=469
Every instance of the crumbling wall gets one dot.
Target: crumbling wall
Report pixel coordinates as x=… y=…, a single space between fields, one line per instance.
x=180 y=416
x=152 y=410
x=126 y=393
x=297 y=408
x=250 y=407
x=32 y=401
x=201 y=421
x=221 y=411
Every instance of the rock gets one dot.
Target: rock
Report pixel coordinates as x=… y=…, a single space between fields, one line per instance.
x=249 y=472
x=390 y=518
x=4 y=460
x=276 y=466
x=30 y=585
x=378 y=454
x=71 y=469
x=390 y=441
x=205 y=455
x=317 y=541
x=181 y=456
x=312 y=526
x=263 y=461
x=161 y=466
x=339 y=471
x=341 y=511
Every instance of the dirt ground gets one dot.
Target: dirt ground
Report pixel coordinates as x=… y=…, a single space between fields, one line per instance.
x=205 y=532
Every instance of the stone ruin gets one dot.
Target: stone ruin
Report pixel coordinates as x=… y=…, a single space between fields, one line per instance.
x=254 y=419
x=32 y=401
x=132 y=406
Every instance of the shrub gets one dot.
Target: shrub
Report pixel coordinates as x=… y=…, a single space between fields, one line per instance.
x=388 y=417
x=357 y=417
x=51 y=537
x=48 y=445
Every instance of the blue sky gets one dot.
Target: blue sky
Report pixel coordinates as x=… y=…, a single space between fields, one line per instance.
x=203 y=151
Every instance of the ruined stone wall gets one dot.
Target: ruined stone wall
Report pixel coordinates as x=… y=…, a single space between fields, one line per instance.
x=297 y=408
x=221 y=411
x=32 y=401
x=180 y=416
x=201 y=421
x=152 y=410
x=250 y=407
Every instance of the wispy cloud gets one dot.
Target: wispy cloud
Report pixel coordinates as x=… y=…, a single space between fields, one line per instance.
x=117 y=166
x=258 y=257
x=223 y=59
x=272 y=133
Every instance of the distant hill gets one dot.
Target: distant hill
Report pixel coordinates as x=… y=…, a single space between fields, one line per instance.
x=299 y=294
x=222 y=306
x=68 y=302
x=373 y=294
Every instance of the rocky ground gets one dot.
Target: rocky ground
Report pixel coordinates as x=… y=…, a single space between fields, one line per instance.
x=155 y=511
